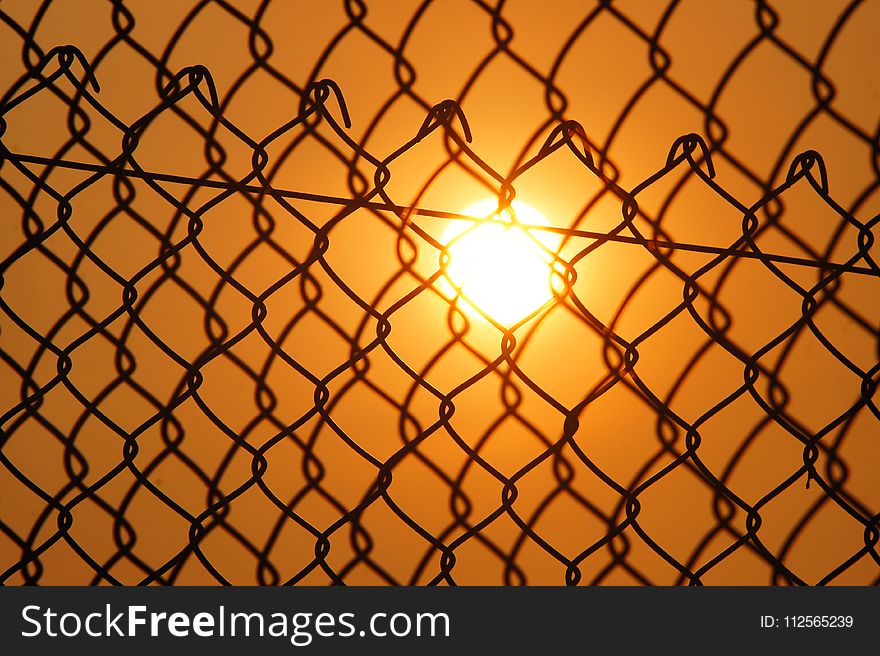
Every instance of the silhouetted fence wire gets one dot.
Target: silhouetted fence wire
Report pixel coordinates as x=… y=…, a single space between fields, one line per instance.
x=46 y=189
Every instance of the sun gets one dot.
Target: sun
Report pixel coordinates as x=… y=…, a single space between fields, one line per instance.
x=498 y=270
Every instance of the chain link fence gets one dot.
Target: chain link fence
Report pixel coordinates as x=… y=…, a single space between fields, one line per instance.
x=232 y=354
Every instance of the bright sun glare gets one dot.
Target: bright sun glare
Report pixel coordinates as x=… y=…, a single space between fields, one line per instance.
x=499 y=269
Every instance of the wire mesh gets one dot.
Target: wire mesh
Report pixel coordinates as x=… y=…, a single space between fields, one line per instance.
x=229 y=354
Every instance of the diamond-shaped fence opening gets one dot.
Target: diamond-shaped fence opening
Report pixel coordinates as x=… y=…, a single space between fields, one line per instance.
x=239 y=346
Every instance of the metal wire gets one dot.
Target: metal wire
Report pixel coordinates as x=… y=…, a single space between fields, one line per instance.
x=180 y=488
